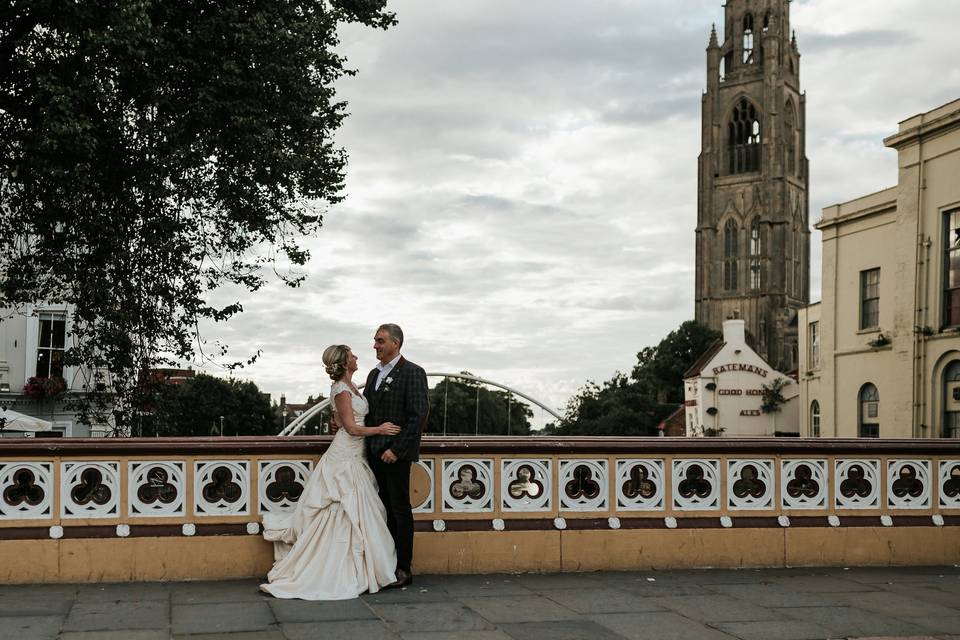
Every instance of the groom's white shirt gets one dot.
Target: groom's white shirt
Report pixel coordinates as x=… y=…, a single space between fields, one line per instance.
x=385 y=370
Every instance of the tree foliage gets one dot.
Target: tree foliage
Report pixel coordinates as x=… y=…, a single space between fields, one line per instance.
x=194 y=408
x=457 y=400
x=152 y=152
x=635 y=405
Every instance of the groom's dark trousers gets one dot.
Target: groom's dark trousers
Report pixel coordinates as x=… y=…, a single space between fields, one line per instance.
x=402 y=400
x=394 y=482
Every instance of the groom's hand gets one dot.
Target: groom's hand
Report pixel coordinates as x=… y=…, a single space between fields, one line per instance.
x=389 y=456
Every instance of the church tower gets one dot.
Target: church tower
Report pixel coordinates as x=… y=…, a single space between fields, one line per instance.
x=753 y=237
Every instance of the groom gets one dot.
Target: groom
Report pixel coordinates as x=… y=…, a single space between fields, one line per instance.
x=396 y=391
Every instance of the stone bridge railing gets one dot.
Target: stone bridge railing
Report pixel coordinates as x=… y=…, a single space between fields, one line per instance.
x=148 y=509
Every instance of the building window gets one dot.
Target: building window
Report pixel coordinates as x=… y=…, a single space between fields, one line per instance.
x=730 y=250
x=814 y=355
x=870 y=299
x=748 y=38
x=869 y=417
x=797 y=264
x=951 y=280
x=790 y=138
x=814 y=419
x=755 y=254
x=951 y=400
x=743 y=133
x=50 y=348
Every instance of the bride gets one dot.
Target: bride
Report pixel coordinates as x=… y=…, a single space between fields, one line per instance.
x=335 y=545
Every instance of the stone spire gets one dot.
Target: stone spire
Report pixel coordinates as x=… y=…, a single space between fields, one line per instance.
x=713 y=37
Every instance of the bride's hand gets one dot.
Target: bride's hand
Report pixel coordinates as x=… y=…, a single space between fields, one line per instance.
x=388 y=429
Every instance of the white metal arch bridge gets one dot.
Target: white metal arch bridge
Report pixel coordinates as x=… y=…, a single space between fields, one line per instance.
x=300 y=421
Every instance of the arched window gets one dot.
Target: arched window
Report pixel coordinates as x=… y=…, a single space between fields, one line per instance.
x=790 y=138
x=814 y=419
x=755 y=253
x=797 y=263
x=730 y=254
x=766 y=21
x=743 y=133
x=951 y=400
x=748 y=38
x=869 y=411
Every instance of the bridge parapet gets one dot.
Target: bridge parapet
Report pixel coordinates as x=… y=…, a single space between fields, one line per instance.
x=154 y=509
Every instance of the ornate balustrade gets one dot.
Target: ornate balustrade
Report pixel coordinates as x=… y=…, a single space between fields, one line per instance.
x=91 y=509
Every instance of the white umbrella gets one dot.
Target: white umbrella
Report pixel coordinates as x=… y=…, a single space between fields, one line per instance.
x=21 y=422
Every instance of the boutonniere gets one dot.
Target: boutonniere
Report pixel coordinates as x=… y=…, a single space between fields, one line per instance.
x=386 y=383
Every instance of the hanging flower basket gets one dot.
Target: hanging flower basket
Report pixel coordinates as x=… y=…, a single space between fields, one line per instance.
x=44 y=388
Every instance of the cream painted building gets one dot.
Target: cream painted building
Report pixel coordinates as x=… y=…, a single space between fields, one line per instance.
x=723 y=391
x=880 y=354
x=32 y=344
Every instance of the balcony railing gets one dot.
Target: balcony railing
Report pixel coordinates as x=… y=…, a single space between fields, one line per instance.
x=539 y=497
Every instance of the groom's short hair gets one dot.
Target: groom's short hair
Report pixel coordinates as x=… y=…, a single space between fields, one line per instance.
x=395 y=333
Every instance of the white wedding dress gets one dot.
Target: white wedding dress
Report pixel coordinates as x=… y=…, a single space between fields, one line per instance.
x=335 y=545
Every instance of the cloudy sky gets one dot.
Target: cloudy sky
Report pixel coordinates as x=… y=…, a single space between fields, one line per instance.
x=522 y=183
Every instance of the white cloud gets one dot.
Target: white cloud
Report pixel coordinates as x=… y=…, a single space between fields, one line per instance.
x=522 y=181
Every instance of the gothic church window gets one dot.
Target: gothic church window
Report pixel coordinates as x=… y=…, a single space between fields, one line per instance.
x=748 y=38
x=755 y=254
x=743 y=132
x=797 y=263
x=790 y=138
x=730 y=250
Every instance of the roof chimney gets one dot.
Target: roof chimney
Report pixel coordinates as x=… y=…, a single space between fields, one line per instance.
x=734 y=331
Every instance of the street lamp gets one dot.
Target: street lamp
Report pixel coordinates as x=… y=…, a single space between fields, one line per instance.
x=284 y=412
x=221 y=426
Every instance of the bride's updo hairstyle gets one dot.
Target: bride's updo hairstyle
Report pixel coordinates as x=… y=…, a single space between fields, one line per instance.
x=335 y=359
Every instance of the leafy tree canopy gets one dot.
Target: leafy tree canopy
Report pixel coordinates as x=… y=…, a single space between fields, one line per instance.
x=458 y=401
x=152 y=152
x=194 y=408
x=635 y=405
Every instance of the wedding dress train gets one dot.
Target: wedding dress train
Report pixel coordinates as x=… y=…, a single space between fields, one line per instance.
x=335 y=545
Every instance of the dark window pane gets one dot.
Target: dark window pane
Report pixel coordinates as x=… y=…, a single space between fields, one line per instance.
x=43 y=363
x=952 y=304
x=44 y=333
x=58 y=332
x=56 y=364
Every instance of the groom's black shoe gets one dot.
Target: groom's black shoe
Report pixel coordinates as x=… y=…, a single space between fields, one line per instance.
x=404 y=578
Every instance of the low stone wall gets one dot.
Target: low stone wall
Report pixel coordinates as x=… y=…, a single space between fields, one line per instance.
x=176 y=509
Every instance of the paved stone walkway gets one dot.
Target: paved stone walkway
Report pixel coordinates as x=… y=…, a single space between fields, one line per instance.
x=798 y=604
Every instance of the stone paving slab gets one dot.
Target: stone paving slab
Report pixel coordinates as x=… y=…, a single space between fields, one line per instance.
x=566 y=630
x=456 y=635
x=113 y=616
x=531 y=608
x=717 y=608
x=658 y=625
x=34 y=606
x=303 y=611
x=606 y=600
x=774 y=630
x=774 y=595
x=125 y=634
x=221 y=617
x=850 y=621
x=432 y=616
x=359 y=629
x=30 y=627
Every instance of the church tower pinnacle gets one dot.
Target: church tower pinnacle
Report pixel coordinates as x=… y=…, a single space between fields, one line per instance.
x=753 y=238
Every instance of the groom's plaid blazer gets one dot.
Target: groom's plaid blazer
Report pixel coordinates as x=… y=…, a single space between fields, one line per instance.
x=402 y=401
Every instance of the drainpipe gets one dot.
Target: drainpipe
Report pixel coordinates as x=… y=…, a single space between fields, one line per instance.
x=919 y=304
